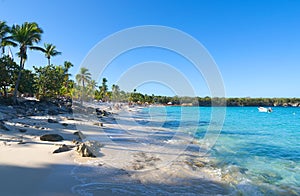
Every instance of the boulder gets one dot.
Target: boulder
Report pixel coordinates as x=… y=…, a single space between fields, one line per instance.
x=51 y=137
x=84 y=150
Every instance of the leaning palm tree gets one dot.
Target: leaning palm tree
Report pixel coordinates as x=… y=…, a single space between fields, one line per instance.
x=23 y=36
x=48 y=50
x=4 y=30
x=84 y=77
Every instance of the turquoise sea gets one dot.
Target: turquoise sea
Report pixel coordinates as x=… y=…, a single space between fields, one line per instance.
x=260 y=150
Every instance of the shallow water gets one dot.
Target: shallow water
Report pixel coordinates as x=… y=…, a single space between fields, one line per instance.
x=260 y=150
x=255 y=153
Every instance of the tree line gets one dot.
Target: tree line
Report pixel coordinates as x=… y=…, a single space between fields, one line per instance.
x=88 y=90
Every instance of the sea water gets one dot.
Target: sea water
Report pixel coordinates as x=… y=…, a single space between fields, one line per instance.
x=260 y=150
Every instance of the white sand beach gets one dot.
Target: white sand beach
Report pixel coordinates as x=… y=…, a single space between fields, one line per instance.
x=132 y=159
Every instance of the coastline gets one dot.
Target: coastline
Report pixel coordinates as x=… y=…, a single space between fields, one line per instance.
x=136 y=153
x=133 y=155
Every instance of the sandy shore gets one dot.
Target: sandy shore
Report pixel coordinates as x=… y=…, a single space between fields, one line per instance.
x=134 y=159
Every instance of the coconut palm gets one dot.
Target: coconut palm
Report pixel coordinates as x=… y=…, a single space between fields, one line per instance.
x=115 y=92
x=92 y=85
x=4 y=29
x=67 y=66
x=23 y=36
x=84 y=77
x=48 y=50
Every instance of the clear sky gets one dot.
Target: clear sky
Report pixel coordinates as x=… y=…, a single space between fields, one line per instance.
x=256 y=44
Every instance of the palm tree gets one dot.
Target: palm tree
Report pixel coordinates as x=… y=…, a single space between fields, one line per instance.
x=67 y=66
x=4 y=29
x=48 y=50
x=84 y=77
x=23 y=36
x=115 y=92
x=92 y=85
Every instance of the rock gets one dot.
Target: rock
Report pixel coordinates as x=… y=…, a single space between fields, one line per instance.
x=199 y=164
x=52 y=121
x=79 y=134
x=138 y=166
x=63 y=148
x=99 y=124
x=3 y=126
x=84 y=150
x=102 y=112
x=51 y=137
x=194 y=163
x=64 y=124
x=22 y=130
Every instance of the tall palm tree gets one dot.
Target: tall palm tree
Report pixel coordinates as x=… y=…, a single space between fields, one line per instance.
x=23 y=36
x=4 y=29
x=48 y=50
x=84 y=77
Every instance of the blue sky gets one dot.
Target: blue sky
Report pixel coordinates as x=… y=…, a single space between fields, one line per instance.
x=256 y=44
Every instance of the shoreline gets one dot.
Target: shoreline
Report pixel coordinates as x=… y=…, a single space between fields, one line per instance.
x=140 y=158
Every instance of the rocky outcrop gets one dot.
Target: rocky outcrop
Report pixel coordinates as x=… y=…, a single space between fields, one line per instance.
x=51 y=137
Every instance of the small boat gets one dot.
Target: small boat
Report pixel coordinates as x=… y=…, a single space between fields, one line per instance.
x=263 y=109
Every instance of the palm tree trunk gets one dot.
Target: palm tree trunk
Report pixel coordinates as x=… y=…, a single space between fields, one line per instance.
x=18 y=82
x=49 y=61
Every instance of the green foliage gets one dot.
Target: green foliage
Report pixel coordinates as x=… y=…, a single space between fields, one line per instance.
x=4 y=30
x=83 y=78
x=49 y=81
x=27 y=84
x=8 y=73
x=115 y=96
x=23 y=36
x=68 y=85
x=103 y=95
